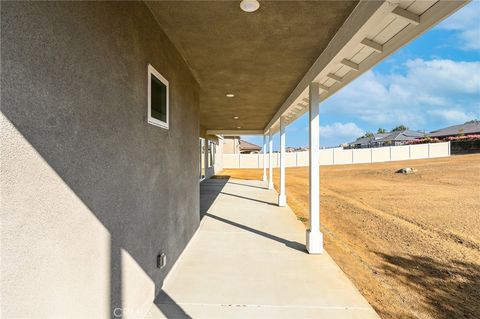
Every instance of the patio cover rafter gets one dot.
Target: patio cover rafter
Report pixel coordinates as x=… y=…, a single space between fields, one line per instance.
x=365 y=19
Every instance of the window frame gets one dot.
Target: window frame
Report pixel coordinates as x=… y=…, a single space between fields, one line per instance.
x=210 y=154
x=150 y=119
x=214 y=153
x=202 y=145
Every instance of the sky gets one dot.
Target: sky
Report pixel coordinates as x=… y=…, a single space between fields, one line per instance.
x=431 y=83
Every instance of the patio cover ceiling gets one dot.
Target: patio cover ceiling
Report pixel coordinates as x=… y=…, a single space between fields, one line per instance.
x=259 y=57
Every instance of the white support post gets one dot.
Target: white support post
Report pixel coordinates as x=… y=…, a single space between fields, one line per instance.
x=270 y=161
x=282 y=198
x=264 y=178
x=314 y=236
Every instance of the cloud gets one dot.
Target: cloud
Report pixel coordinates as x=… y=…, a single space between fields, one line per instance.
x=341 y=130
x=439 y=88
x=454 y=116
x=337 y=133
x=467 y=26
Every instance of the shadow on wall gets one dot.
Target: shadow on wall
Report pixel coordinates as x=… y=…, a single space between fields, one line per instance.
x=209 y=191
x=454 y=286
x=93 y=141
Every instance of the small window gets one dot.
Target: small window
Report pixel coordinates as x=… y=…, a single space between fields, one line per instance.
x=157 y=98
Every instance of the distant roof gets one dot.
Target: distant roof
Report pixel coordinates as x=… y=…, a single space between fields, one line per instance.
x=466 y=128
x=406 y=135
x=368 y=139
x=247 y=146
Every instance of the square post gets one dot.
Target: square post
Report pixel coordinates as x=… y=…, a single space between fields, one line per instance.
x=264 y=178
x=270 y=168
x=282 y=198
x=314 y=236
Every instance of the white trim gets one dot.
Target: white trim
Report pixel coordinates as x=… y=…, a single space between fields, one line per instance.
x=264 y=178
x=150 y=119
x=350 y=64
x=202 y=146
x=270 y=162
x=282 y=199
x=314 y=242
x=334 y=77
x=323 y=87
x=372 y=45
x=406 y=15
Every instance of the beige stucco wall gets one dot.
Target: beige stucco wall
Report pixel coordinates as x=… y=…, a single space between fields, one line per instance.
x=231 y=145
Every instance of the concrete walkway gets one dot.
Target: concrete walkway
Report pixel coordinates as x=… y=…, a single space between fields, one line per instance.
x=248 y=260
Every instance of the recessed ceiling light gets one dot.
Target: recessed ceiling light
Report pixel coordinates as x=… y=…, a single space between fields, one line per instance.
x=229 y=95
x=235 y=117
x=249 y=5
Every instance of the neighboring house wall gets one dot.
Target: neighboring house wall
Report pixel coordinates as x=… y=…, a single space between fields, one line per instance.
x=217 y=165
x=219 y=156
x=91 y=193
x=231 y=145
x=338 y=156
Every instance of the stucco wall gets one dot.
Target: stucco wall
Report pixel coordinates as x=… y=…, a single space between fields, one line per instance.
x=231 y=145
x=91 y=193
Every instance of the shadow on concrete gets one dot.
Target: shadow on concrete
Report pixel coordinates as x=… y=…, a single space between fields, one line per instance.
x=248 y=198
x=450 y=289
x=259 y=187
x=291 y=244
x=209 y=191
x=169 y=307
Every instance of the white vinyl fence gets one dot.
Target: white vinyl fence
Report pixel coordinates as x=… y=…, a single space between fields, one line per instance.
x=335 y=156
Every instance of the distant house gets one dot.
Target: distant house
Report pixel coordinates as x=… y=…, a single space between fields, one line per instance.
x=468 y=128
x=399 y=138
x=295 y=149
x=386 y=139
x=234 y=145
x=367 y=141
x=249 y=148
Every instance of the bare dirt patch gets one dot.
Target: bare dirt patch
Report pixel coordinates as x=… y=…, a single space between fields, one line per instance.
x=409 y=242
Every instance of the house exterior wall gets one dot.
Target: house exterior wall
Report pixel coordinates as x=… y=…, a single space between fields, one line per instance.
x=217 y=166
x=91 y=193
x=219 y=156
x=231 y=145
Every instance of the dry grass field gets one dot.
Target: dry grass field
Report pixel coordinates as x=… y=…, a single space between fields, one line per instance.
x=410 y=243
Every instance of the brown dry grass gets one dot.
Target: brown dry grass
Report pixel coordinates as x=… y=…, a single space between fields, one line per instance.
x=410 y=243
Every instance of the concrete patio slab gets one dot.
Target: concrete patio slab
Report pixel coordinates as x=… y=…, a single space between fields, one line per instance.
x=248 y=259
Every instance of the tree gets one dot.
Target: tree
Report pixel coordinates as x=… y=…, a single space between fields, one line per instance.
x=399 y=128
x=381 y=131
x=369 y=134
